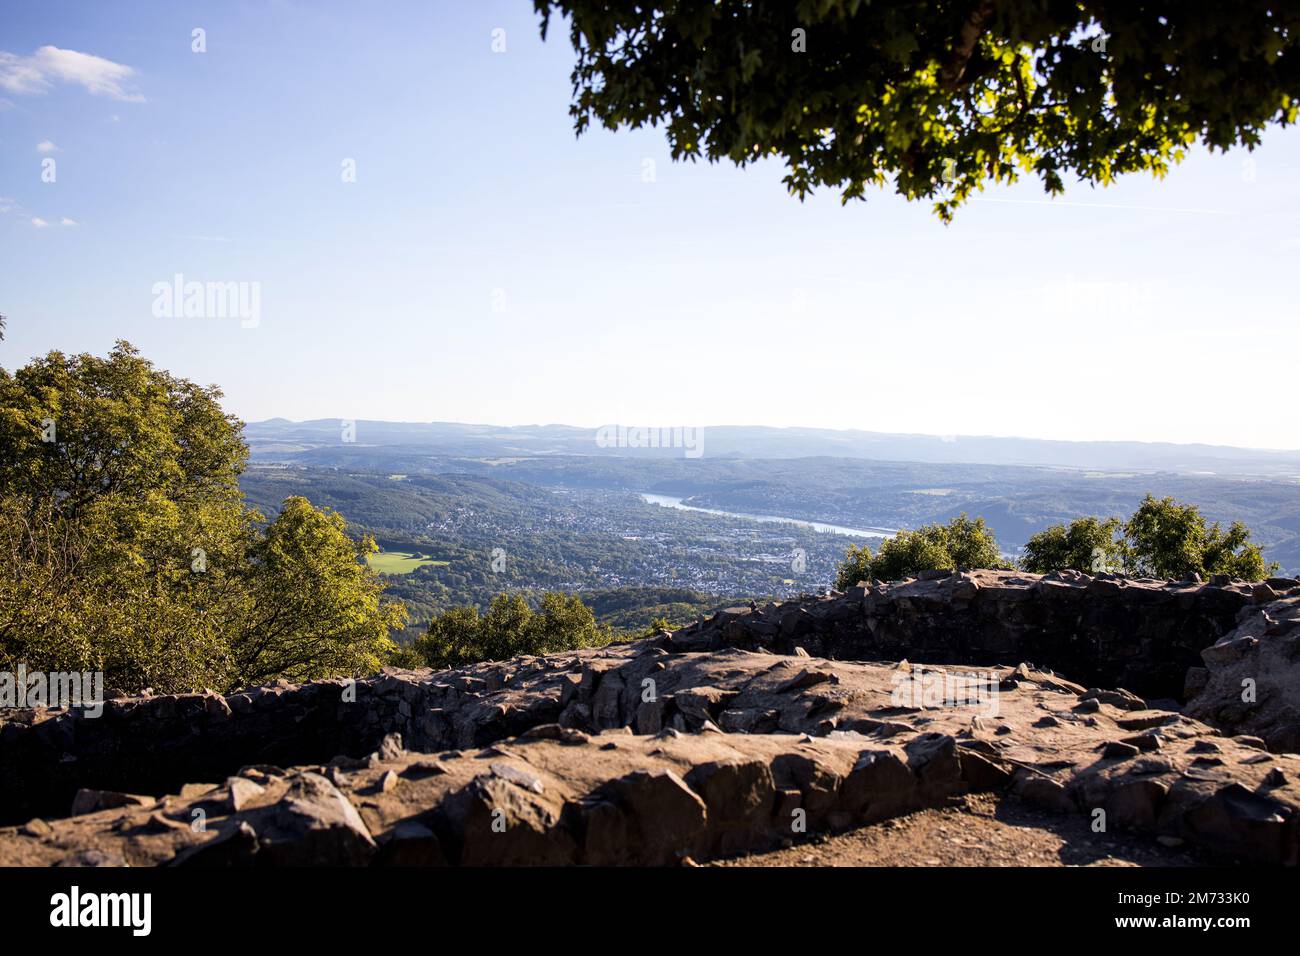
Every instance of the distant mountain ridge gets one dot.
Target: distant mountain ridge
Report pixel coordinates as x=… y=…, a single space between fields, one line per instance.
x=281 y=439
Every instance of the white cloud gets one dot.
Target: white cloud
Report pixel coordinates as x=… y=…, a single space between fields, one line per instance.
x=46 y=146
x=40 y=71
x=8 y=205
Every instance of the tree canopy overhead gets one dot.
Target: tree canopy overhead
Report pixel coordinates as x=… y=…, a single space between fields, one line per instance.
x=936 y=97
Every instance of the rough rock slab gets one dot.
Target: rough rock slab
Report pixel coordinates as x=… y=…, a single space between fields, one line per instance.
x=857 y=744
x=1251 y=680
x=1100 y=631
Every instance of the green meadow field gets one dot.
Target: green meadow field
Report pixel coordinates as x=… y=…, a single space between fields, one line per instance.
x=400 y=562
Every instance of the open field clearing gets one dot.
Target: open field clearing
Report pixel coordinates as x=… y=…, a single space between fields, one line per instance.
x=400 y=562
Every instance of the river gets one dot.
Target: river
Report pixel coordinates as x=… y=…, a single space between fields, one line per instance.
x=667 y=501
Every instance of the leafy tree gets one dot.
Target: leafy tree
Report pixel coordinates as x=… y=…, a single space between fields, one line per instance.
x=454 y=638
x=81 y=428
x=655 y=627
x=855 y=567
x=961 y=544
x=970 y=544
x=509 y=628
x=1162 y=539
x=1087 y=544
x=405 y=656
x=1171 y=540
x=314 y=608
x=125 y=545
x=936 y=98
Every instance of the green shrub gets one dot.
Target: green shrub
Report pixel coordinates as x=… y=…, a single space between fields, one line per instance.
x=961 y=544
x=1087 y=544
x=1163 y=539
x=509 y=628
x=1171 y=540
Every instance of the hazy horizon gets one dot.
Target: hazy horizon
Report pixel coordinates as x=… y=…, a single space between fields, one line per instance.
x=788 y=428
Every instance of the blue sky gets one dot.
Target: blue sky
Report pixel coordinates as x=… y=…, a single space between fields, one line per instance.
x=487 y=266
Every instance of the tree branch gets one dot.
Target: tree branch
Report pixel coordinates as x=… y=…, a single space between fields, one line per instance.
x=951 y=74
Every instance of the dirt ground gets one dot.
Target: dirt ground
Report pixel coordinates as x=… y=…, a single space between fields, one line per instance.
x=978 y=830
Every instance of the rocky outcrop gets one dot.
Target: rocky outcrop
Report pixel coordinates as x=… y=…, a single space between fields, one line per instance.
x=157 y=744
x=1101 y=630
x=737 y=733
x=1250 y=683
x=655 y=756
